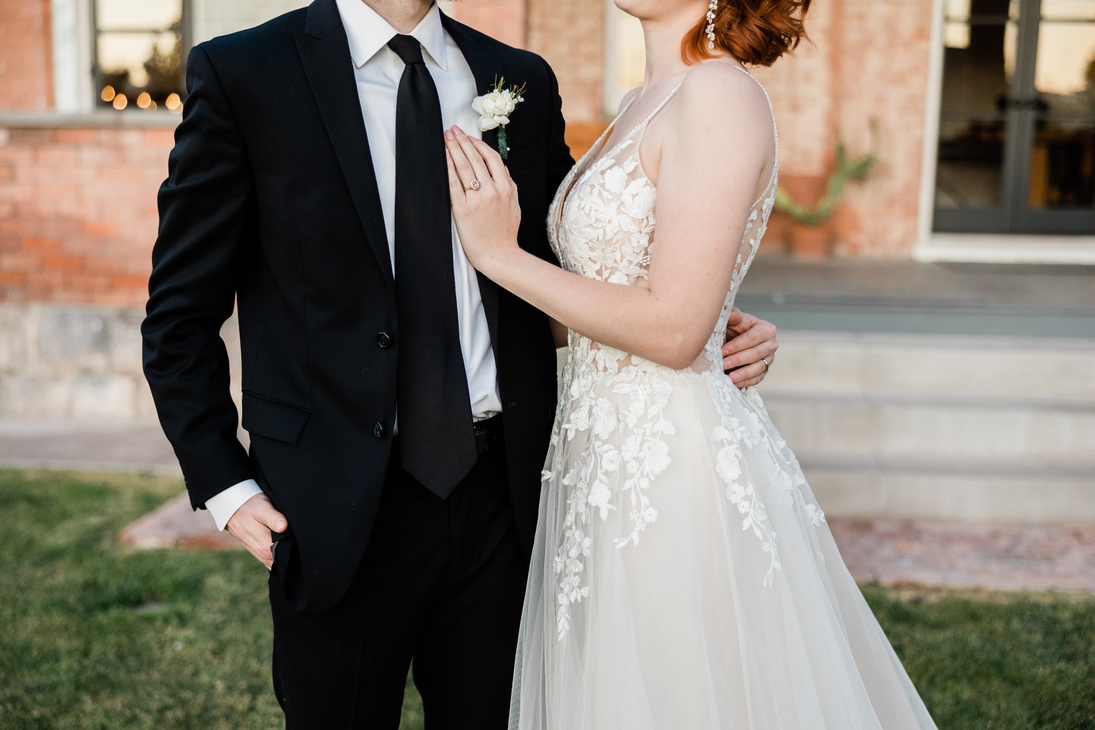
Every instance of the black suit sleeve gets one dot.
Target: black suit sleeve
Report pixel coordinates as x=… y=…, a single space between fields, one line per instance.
x=559 y=158
x=207 y=220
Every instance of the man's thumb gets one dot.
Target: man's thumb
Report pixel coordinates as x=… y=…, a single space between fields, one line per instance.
x=273 y=519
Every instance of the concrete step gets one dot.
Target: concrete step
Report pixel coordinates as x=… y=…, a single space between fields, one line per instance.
x=969 y=428
x=935 y=366
x=872 y=425
x=917 y=492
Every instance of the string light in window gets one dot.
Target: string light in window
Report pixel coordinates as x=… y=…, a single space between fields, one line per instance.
x=120 y=102
x=173 y=102
x=107 y=94
x=144 y=101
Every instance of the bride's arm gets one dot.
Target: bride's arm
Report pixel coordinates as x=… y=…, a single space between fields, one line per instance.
x=710 y=162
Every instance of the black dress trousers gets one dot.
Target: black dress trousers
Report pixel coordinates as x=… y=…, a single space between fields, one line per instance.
x=442 y=583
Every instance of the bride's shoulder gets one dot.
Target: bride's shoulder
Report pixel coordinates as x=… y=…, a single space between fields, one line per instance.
x=718 y=88
x=628 y=97
x=718 y=95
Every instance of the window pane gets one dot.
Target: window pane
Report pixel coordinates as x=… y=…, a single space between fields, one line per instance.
x=137 y=14
x=981 y=10
x=956 y=9
x=971 y=158
x=1062 y=171
x=1066 y=61
x=137 y=57
x=140 y=54
x=1068 y=9
x=978 y=64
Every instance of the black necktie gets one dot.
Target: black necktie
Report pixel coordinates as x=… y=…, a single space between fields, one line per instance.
x=437 y=441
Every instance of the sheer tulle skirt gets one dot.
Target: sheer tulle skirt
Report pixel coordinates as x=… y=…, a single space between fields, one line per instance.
x=732 y=609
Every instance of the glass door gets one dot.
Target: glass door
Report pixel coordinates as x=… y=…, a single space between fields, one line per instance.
x=1017 y=129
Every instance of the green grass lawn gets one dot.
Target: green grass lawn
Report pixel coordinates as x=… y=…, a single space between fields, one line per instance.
x=96 y=635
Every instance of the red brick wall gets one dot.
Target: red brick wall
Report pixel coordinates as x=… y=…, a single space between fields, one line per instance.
x=78 y=213
x=501 y=19
x=26 y=68
x=570 y=34
x=867 y=61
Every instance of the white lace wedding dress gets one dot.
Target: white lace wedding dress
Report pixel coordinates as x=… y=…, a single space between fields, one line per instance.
x=683 y=576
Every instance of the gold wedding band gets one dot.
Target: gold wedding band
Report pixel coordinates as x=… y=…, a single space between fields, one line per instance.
x=766 y=364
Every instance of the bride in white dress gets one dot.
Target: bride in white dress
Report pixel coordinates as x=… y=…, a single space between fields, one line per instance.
x=683 y=575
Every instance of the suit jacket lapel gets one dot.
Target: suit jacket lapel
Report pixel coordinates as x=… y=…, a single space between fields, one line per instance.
x=325 y=54
x=486 y=66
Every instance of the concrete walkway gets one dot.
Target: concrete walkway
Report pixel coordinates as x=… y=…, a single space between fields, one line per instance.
x=996 y=557
x=862 y=295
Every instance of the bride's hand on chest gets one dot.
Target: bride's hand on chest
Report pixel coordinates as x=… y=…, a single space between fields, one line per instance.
x=484 y=200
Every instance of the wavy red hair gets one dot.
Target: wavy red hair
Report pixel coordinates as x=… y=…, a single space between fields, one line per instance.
x=756 y=32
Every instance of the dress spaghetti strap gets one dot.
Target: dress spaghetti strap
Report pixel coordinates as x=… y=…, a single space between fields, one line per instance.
x=772 y=110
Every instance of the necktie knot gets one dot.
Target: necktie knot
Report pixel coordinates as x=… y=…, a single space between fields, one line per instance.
x=407 y=48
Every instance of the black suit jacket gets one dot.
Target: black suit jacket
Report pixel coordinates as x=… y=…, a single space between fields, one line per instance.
x=271 y=202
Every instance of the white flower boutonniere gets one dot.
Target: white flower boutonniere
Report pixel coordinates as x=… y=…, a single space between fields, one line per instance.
x=494 y=110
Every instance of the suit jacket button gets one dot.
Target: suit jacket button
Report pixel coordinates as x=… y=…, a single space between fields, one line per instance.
x=379 y=430
x=384 y=340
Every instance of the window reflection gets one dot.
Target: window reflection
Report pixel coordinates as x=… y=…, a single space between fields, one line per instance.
x=1062 y=171
x=971 y=163
x=140 y=51
x=979 y=61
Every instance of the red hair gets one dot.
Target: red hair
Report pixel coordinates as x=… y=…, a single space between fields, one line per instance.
x=756 y=32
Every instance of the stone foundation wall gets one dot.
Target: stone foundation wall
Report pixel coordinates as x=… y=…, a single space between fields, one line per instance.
x=64 y=362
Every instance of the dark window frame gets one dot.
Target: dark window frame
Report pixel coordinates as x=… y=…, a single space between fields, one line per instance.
x=184 y=32
x=1020 y=118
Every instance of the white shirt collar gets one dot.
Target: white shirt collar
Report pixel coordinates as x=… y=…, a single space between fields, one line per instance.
x=368 y=33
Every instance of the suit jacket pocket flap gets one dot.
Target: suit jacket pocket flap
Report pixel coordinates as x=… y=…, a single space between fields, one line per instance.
x=273 y=419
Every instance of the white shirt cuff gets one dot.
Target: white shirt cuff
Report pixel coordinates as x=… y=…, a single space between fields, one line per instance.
x=223 y=505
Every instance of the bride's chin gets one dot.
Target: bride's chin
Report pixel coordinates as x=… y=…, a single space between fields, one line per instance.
x=652 y=9
x=641 y=9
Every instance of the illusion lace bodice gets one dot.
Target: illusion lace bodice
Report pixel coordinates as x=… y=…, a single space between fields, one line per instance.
x=601 y=225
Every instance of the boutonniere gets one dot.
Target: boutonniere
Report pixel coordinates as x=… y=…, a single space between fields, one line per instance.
x=494 y=109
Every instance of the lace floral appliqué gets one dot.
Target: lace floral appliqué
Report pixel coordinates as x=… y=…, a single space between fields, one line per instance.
x=612 y=436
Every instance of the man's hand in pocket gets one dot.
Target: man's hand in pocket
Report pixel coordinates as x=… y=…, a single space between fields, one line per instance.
x=252 y=525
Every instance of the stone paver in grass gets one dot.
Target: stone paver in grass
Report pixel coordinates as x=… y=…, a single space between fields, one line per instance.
x=968 y=556
x=176 y=524
x=890 y=552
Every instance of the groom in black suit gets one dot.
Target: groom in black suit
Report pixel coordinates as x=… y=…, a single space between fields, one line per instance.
x=398 y=404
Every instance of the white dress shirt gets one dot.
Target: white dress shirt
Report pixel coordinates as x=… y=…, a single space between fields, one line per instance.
x=377 y=70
